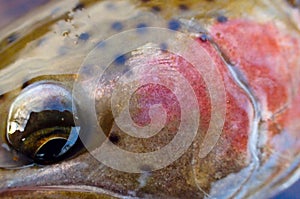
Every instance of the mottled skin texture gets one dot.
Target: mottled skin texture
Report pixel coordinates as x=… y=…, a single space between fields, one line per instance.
x=260 y=50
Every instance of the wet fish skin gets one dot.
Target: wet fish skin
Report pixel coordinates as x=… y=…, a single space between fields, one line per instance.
x=82 y=168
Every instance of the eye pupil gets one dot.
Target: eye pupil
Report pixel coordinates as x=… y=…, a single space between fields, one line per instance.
x=50 y=150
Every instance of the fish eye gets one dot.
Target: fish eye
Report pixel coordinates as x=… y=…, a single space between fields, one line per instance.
x=40 y=123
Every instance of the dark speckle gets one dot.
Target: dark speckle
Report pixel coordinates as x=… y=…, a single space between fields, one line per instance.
x=141 y=27
x=183 y=7
x=118 y=26
x=84 y=36
x=146 y=168
x=145 y=1
x=114 y=138
x=120 y=60
x=156 y=9
x=25 y=84
x=163 y=46
x=11 y=38
x=222 y=19
x=79 y=6
x=203 y=37
x=1 y=96
x=174 y=24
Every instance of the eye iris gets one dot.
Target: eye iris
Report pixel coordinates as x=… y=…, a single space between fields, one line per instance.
x=40 y=122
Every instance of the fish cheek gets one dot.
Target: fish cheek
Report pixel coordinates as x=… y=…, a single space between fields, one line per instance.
x=230 y=154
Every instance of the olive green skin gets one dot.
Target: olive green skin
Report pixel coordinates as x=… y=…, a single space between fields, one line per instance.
x=83 y=176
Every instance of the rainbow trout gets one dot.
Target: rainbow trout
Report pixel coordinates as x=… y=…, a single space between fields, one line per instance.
x=150 y=99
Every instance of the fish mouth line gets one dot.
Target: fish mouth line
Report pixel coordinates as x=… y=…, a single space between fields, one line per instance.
x=67 y=188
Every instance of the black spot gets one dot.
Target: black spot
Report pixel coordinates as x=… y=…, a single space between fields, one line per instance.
x=118 y=26
x=222 y=19
x=145 y=168
x=156 y=9
x=84 y=36
x=120 y=60
x=203 y=37
x=25 y=84
x=114 y=138
x=183 y=7
x=78 y=6
x=1 y=96
x=11 y=38
x=141 y=27
x=174 y=24
x=163 y=46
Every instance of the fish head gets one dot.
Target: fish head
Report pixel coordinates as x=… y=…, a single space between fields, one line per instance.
x=147 y=99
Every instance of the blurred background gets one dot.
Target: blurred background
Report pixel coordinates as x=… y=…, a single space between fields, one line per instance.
x=291 y=193
x=13 y=9
x=10 y=10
